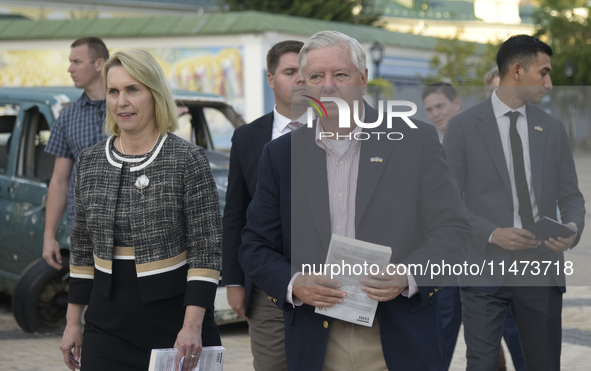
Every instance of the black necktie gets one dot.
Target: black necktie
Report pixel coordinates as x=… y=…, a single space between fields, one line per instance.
x=525 y=211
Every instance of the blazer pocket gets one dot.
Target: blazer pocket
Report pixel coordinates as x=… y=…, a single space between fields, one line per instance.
x=415 y=304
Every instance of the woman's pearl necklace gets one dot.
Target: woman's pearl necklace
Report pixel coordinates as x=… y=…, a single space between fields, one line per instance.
x=123 y=150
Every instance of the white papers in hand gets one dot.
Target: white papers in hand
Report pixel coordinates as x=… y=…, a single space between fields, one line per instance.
x=354 y=259
x=211 y=359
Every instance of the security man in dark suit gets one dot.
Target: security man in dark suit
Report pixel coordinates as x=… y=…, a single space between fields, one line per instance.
x=514 y=165
x=247 y=300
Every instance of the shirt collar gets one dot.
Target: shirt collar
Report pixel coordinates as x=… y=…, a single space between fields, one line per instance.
x=322 y=142
x=500 y=108
x=281 y=122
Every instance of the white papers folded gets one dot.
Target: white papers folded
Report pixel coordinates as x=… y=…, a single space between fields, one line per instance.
x=354 y=259
x=211 y=359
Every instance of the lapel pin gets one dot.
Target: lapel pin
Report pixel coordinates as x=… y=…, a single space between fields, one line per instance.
x=142 y=182
x=538 y=128
x=376 y=159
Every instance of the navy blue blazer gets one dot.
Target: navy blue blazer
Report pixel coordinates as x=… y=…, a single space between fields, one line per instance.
x=475 y=154
x=408 y=201
x=247 y=145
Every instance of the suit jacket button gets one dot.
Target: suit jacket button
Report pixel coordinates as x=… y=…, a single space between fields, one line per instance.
x=325 y=324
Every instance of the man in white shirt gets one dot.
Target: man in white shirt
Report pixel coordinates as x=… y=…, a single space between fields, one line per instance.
x=400 y=194
x=513 y=165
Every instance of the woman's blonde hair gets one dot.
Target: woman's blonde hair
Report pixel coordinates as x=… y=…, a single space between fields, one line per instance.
x=143 y=67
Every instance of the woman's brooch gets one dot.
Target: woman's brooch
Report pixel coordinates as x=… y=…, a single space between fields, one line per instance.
x=142 y=182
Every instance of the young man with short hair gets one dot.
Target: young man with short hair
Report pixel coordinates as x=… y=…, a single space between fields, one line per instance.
x=79 y=126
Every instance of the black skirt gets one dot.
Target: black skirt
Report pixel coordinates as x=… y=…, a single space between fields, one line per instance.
x=121 y=331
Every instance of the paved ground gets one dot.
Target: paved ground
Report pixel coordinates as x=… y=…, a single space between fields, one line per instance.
x=40 y=352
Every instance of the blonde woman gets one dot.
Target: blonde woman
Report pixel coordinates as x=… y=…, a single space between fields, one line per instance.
x=146 y=241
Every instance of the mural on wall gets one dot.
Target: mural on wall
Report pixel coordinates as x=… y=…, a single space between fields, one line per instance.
x=216 y=70
x=34 y=68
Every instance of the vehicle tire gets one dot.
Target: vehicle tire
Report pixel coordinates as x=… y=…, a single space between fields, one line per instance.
x=40 y=297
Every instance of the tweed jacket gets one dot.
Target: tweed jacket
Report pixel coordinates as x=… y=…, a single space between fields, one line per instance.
x=175 y=223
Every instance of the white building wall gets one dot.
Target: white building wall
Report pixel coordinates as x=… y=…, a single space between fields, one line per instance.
x=497 y=11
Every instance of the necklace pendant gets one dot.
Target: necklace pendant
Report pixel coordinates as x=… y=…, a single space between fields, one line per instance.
x=142 y=182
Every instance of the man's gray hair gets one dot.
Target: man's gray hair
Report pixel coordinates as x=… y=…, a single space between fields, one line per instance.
x=327 y=39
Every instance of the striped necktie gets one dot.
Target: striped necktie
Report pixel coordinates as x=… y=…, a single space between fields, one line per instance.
x=294 y=125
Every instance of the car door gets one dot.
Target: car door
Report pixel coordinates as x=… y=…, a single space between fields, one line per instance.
x=23 y=190
x=207 y=125
x=8 y=128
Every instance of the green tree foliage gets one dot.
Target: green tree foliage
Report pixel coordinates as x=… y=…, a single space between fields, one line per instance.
x=380 y=89
x=564 y=25
x=349 y=11
x=461 y=63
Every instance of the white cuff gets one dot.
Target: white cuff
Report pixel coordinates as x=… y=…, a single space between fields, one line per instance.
x=413 y=288
x=293 y=300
